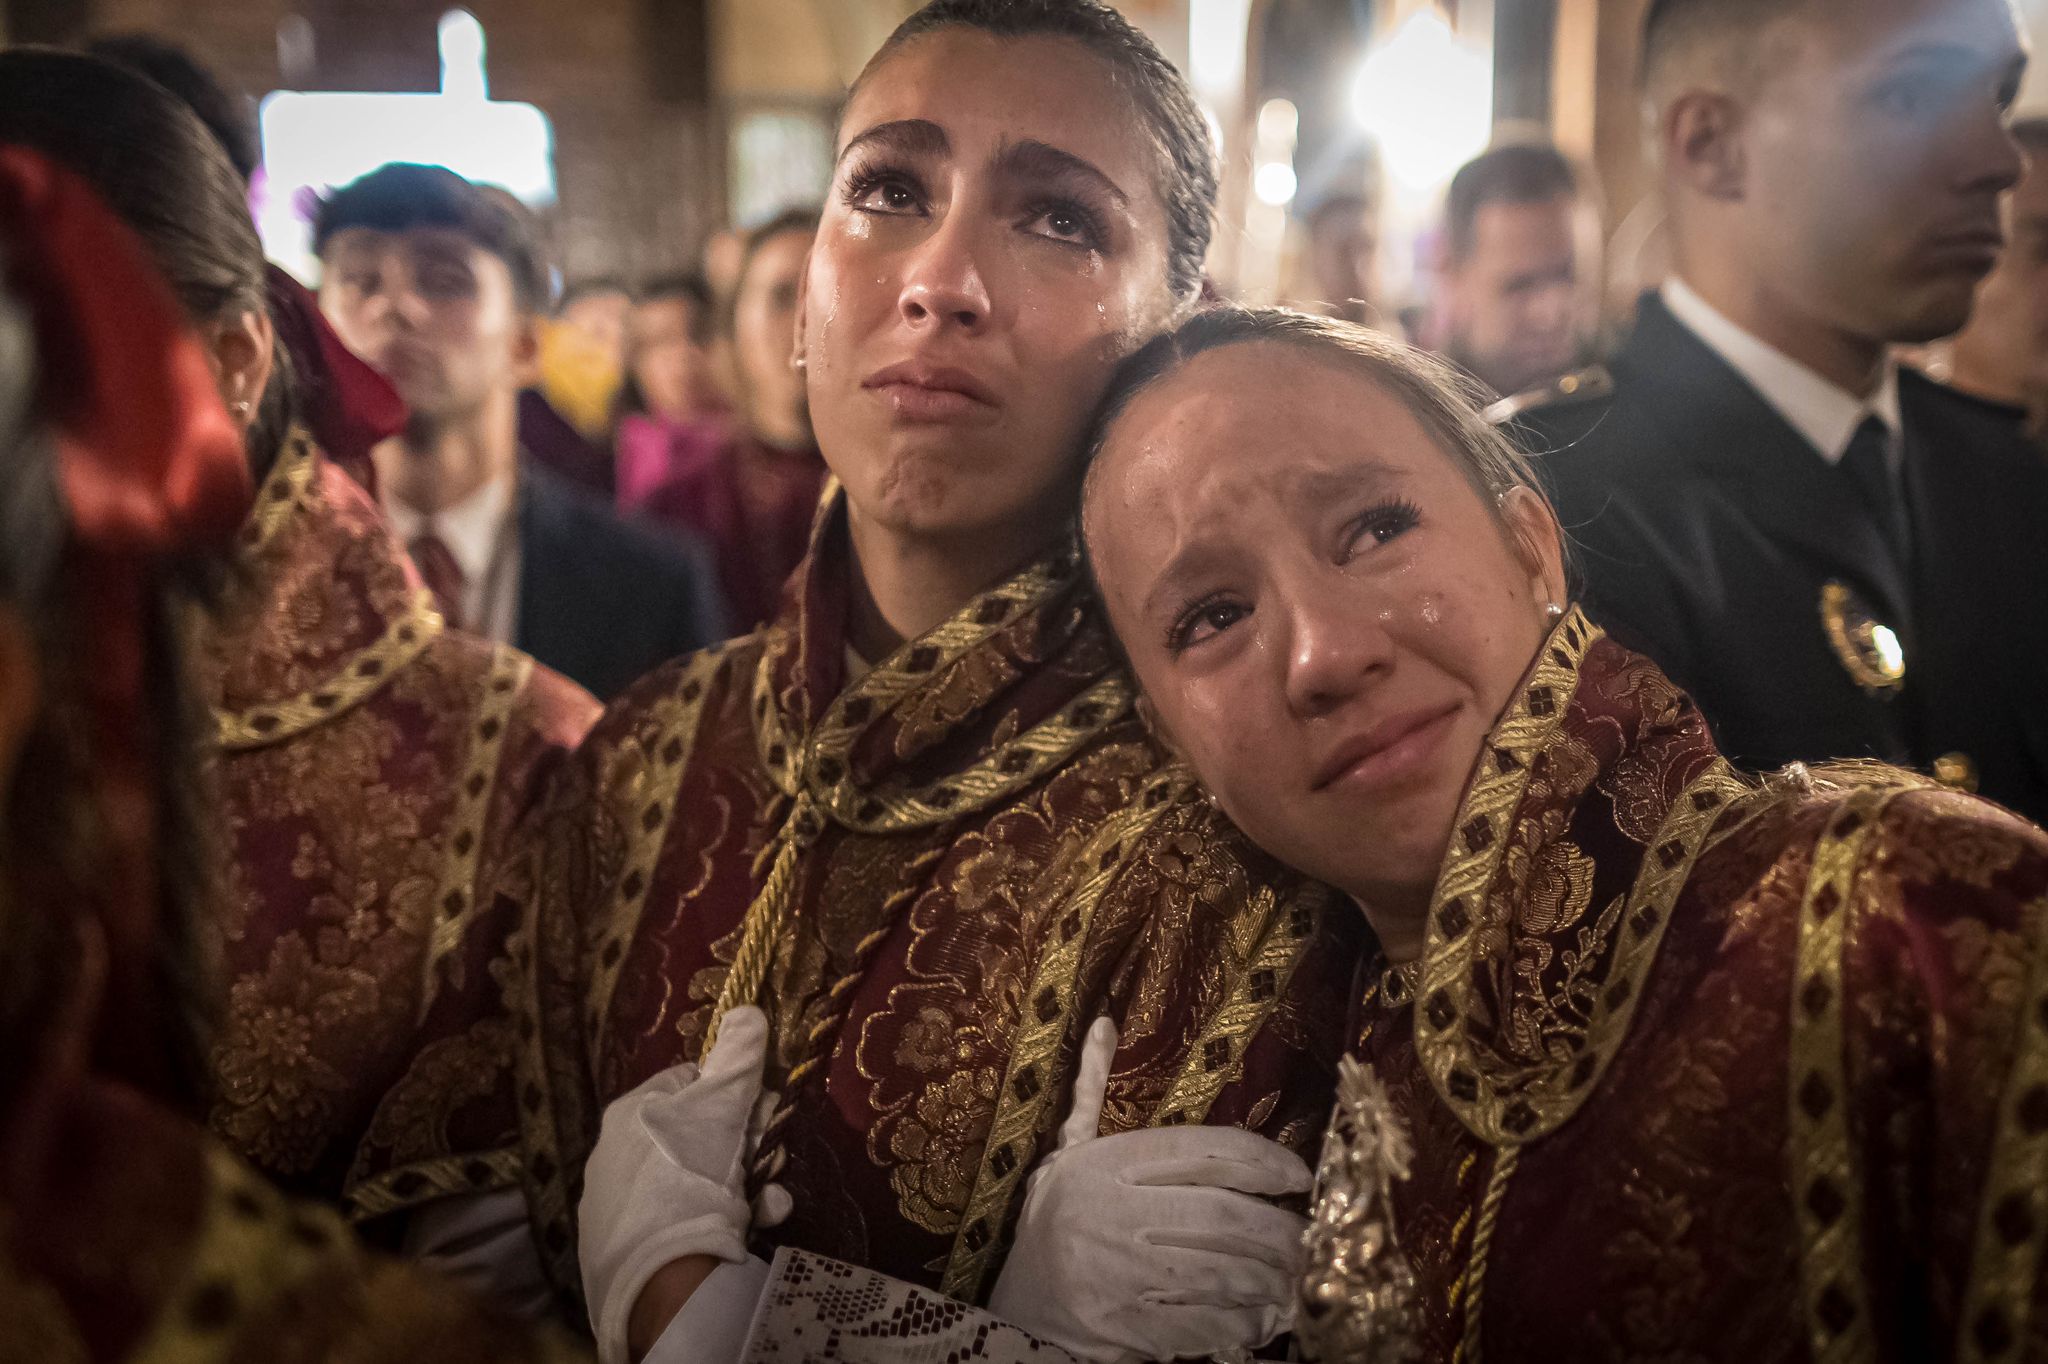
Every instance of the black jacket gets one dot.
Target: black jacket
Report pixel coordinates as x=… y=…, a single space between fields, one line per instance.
x=603 y=599
x=1705 y=528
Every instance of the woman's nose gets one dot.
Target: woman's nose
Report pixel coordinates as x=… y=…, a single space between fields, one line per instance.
x=944 y=281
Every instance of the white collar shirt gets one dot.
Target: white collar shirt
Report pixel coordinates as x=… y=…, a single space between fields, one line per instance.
x=482 y=534
x=1825 y=414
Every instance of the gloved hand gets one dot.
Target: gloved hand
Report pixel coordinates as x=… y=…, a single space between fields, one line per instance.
x=667 y=1178
x=1153 y=1244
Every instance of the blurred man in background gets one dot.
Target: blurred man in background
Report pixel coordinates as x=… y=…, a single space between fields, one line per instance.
x=438 y=285
x=1340 y=211
x=1822 y=548
x=1519 y=305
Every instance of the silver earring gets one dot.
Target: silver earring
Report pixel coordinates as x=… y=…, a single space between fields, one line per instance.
x=1554 y=611
x=240 y=409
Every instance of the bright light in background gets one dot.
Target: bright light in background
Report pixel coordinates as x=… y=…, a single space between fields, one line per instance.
x=1274 y=181
x=1273 y=187
x=1216 y=45
x=1279 y=121
x=1427 y=99
x=315 y=141
x=1274 y=184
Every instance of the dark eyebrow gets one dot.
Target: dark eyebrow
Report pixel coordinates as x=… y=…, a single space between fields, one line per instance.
x=1042 y=161
x=904 y=136
x=1316 y=489
x=1188 y=562
x=1321 y=487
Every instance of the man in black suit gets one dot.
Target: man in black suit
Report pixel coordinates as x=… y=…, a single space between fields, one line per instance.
x=439 y=285
x=1836 y=557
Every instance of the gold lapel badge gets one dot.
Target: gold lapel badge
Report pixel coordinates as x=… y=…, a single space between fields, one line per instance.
x=1866 y=646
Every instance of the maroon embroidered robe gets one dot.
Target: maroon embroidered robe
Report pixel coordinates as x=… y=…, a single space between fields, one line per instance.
x=932 y=879
x=1702 y=1067
x=372 y=764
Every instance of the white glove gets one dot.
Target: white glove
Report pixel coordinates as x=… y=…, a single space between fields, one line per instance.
x=1153 y=1244
x=667 y=1179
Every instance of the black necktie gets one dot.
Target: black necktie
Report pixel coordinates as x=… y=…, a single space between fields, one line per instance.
x=1867 y=465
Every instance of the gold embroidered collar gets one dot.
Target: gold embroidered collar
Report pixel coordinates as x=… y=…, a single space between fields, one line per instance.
x=294 y=517
x=1515 y=1049
x=818 y=767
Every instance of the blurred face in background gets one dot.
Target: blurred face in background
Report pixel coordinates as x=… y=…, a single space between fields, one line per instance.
x=435 y=313
x=603 y=316
x=771 y=388
x=2003 y=352
x=993 y=243
x=672 y=359
x=1523 y=303
x=1860 y=173
x=1343 y=249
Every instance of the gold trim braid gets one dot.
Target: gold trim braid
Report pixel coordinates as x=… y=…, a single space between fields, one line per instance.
x=1031 y=1082
x=1507 y=1105
x=255 y=1251
x=651 y=773
x=409 y=1186
x=821 y=766
x=1267 y=940
x=2012 y=1219
x=1827 y=1189
x=455 y=897
x=283 y=493
x=359 y=678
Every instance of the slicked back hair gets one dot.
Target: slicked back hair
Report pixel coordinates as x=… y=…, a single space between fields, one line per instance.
x=1186 y=182
x=401 y=197
x=1512 y=173
x=1445 y=403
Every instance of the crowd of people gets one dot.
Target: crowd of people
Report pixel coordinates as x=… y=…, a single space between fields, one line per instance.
x=936 y=790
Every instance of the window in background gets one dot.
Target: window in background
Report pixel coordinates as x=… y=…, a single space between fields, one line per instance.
x=781 y=158
x=313 y=141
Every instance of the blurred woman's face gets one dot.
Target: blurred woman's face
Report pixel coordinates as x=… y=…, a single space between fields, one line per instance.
x=1326 y=617
x=992 y=245
x=672 y=365
x=763 y=330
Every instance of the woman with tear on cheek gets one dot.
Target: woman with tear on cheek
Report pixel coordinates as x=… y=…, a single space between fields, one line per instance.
x=886 y=860
x=1659 y=1059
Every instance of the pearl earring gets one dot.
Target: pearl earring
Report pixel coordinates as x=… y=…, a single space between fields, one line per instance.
x=1554 y=611
x=240 y=409
x=797 y=362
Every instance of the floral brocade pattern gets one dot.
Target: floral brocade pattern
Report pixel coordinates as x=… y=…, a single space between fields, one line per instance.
x=977 y=827
x=1693 y=1201
x=343 y=833
x=214 y=1266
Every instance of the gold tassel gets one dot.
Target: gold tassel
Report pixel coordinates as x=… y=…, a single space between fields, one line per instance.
x=763 y=924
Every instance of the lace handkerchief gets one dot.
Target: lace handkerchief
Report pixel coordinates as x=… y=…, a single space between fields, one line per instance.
x=815 y=1308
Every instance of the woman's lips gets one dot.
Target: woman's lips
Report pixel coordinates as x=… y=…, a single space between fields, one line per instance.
x=1394 y=749
x=927 y=394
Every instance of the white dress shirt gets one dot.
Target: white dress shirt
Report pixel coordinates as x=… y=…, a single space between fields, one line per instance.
x=482 y=533
x=1826 y=415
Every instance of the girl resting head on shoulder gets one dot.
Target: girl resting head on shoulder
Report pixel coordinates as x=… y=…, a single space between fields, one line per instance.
x=1677 y=1061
